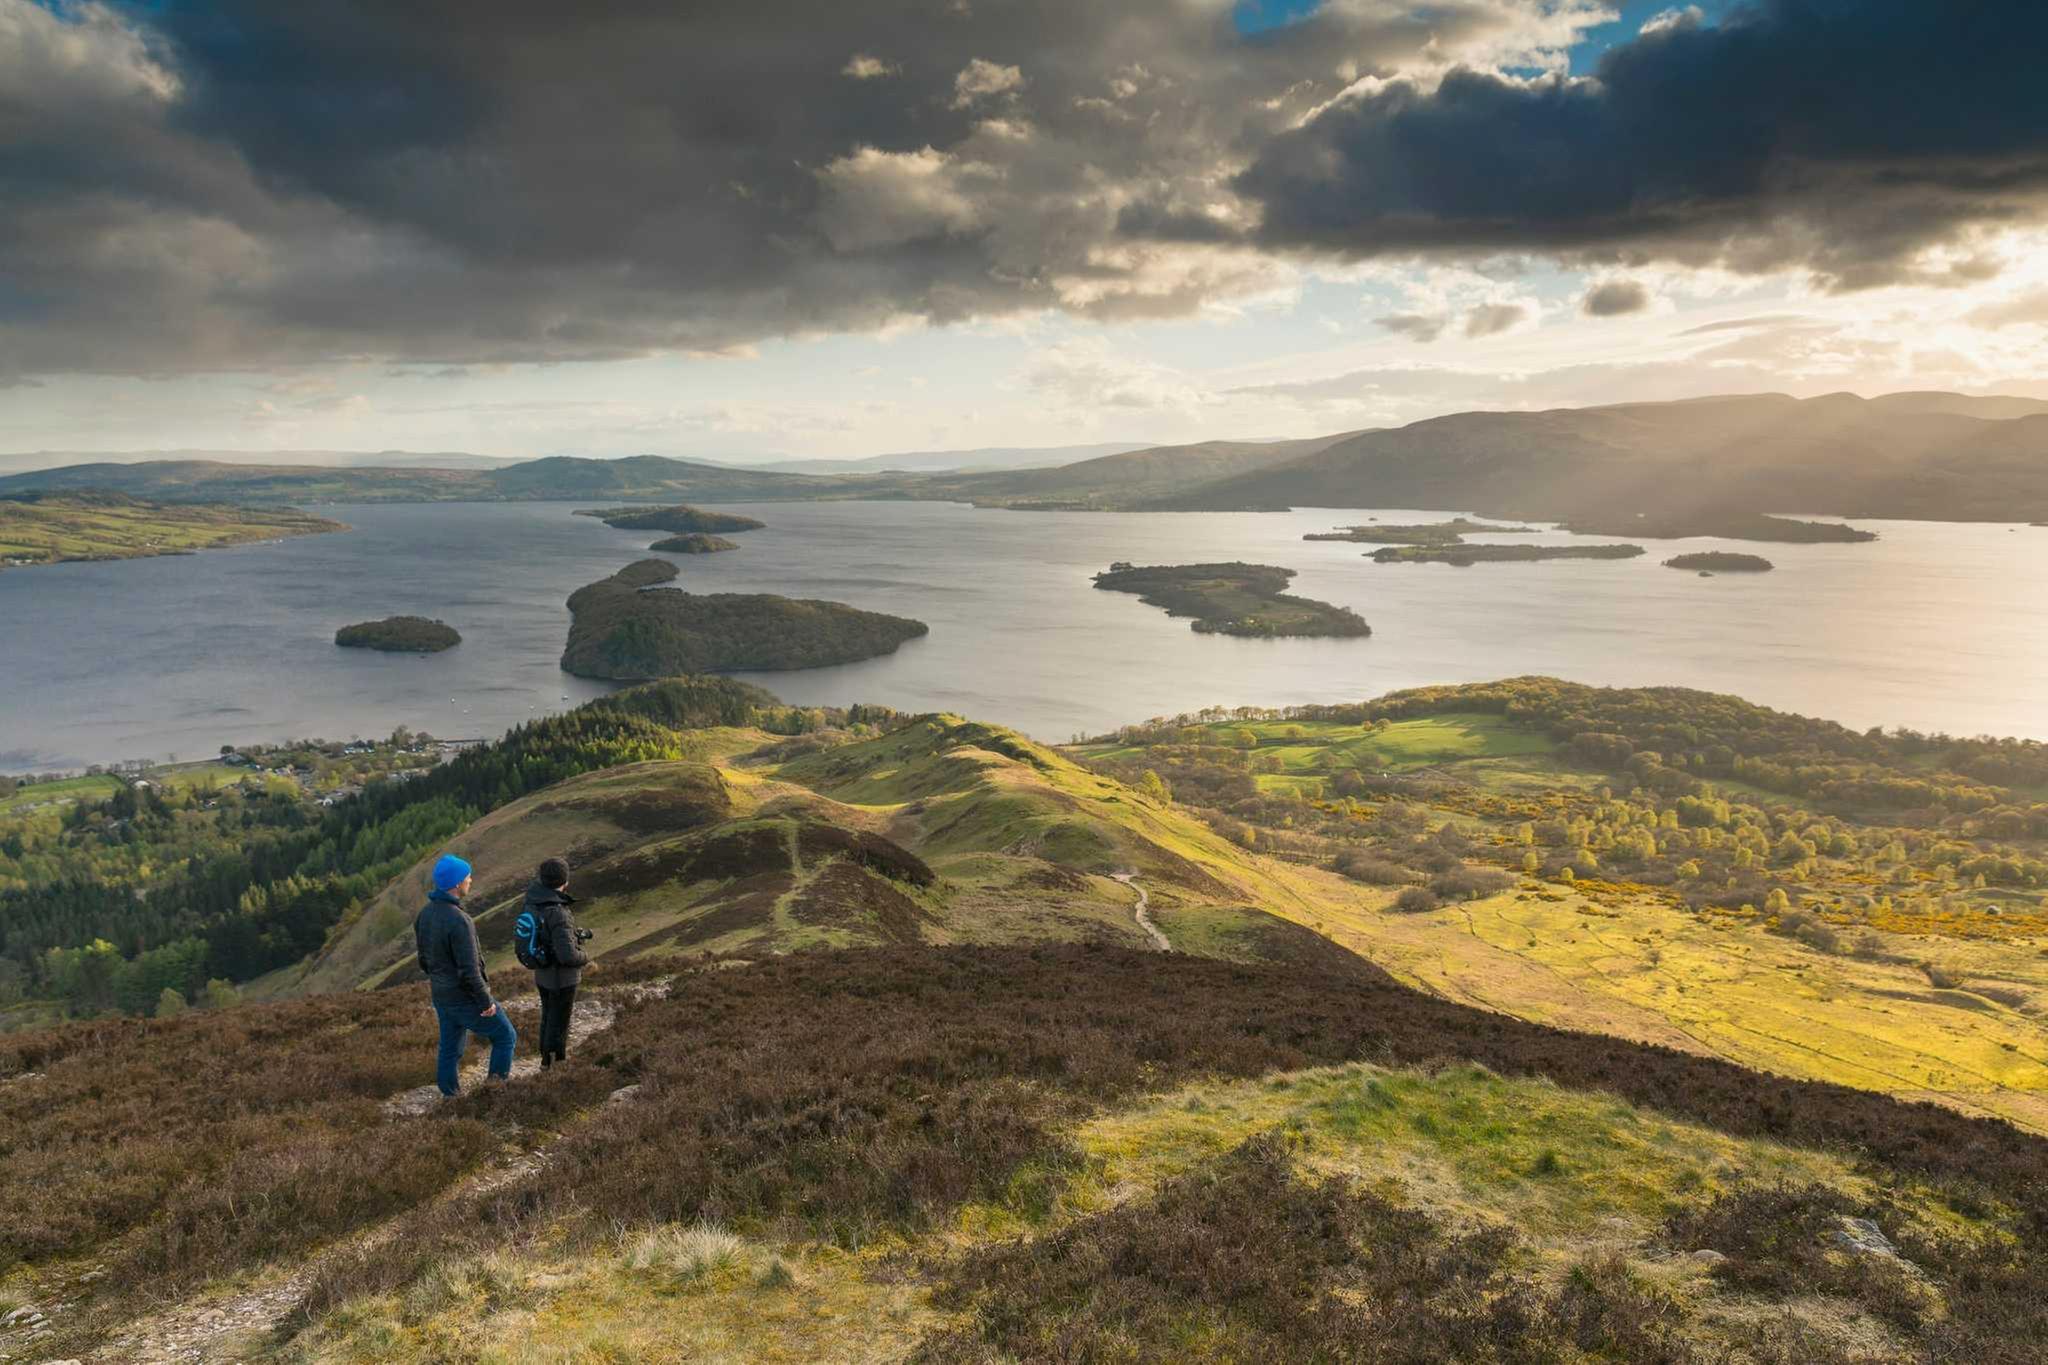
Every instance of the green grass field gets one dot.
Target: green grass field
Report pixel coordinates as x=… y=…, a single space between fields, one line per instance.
x=95 y=788
x=51 y=530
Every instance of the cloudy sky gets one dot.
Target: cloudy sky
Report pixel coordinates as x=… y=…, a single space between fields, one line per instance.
x=735 y=228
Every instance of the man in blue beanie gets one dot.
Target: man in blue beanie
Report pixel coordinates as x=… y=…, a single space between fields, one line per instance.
x=446 y=938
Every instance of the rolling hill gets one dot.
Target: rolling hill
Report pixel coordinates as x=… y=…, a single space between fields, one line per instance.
x=641 y=477
x=1114 y=481
x=1941 y=456
x=941 y=832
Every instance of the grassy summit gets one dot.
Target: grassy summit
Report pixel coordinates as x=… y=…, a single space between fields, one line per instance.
x=1233 y=599
x=621 y=628
x=400 y=635
x=681 y=518
x=38 y=528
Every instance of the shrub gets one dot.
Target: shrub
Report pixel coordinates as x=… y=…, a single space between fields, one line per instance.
x=1467 y=882
x=1364 y=867
x=1416 y=900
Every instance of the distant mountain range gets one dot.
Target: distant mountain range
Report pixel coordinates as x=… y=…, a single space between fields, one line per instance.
x=38 y=460
x=1904 y=455
x=980 y=459
x=950 y=461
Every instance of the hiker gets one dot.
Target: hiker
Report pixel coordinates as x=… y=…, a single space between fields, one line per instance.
x=446 y=937
x=547 y=940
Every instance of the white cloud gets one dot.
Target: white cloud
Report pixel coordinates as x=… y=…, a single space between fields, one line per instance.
x=875 y=198
x=980 y=79
x=863 y=67
x=1674 y=18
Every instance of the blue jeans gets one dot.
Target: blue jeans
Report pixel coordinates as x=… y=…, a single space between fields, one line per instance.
x=457 y=1023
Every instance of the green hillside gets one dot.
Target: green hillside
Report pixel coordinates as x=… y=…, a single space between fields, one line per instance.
x=1726 y=456
x=909 y=1038
x=37 y=528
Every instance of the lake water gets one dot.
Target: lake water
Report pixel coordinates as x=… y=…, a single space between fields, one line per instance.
x=1936 y=626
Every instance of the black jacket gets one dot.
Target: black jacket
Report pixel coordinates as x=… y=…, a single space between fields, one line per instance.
x=446 y=937
x=566 y=959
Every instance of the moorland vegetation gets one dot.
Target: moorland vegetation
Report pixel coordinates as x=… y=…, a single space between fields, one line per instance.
x=853 y=1138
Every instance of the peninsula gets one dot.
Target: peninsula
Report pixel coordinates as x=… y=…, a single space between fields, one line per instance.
x=693 y=543
x=1233 y=599
x=1452 y=532
x=1463 y=555
x=679 y=519
x=39 y=528
x=1720 y=561
x=624 y=629
x=399 y=635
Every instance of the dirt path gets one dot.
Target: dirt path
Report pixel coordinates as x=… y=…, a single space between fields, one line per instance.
x=238 y=1326
x=1142 y=911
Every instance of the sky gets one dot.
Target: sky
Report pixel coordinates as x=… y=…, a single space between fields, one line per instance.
x=812 y=228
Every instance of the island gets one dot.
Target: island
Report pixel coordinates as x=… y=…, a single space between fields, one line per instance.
x=626 y=629
x=399 y=635
x=52 y=528
x=1466 y=555
x=641 y=573
x=678 y=520
x=1233 y=599
x=1723 y=526
x=694 y=543
x=1720 y=561
x=1452 y=532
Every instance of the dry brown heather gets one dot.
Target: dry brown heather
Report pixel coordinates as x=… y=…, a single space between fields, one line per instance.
x=1242 y=1258
x=839 y=1096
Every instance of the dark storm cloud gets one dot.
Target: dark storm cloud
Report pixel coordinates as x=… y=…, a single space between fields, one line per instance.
x=1845 y=136
x=243 y=183
x=1612 y=298
x=221 y=184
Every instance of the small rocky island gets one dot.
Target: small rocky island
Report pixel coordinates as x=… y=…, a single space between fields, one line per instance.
x=1233 y=599
x=399 y=635
x=1466 y=555
x=1720 y=561
x=1722 y=526
x=677 y=520
x=694 y=543
x=627 y=629
x=1452 y=532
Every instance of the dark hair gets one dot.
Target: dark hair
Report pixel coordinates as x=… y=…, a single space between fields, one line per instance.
x=554 y=872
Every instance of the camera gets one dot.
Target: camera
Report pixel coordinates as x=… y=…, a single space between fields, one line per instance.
x=583 y=935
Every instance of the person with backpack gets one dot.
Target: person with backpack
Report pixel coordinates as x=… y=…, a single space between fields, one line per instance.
x=550 y=945
x=445 y=937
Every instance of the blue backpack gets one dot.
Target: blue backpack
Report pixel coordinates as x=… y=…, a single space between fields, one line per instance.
x=530 y=941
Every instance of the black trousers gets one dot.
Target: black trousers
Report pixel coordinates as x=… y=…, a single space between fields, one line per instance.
x=556 y=1002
